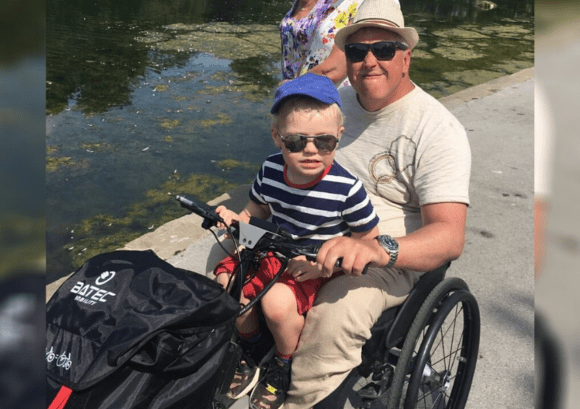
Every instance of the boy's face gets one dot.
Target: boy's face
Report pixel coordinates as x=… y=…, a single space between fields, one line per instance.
x=308 y=164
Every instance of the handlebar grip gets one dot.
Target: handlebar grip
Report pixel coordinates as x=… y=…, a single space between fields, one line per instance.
x=339 y=264
x=312 y=257
x=211 y=218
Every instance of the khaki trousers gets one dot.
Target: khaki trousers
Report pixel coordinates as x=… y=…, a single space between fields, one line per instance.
x=337 y=327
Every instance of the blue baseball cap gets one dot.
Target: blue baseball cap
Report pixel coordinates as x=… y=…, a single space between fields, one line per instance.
x=311 y=85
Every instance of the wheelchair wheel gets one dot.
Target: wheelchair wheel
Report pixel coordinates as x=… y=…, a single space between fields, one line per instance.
x=438 y=358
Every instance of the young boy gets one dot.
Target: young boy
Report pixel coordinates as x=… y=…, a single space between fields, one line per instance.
x=315 y=199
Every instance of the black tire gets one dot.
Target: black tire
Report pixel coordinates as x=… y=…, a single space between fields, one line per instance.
x=450 y=314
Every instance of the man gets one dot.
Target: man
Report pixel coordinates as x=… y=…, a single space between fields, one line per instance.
x=413 y=157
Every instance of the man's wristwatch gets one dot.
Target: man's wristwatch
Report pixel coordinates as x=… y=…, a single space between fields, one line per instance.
x=391 y=246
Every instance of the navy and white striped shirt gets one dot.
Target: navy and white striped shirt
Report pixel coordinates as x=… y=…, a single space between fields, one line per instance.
x=336 y=205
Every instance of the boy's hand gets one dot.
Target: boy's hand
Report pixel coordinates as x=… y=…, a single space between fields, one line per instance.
x=302 y=269
x=228 y=216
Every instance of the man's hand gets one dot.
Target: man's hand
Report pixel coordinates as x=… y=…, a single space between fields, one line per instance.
x=355 y=254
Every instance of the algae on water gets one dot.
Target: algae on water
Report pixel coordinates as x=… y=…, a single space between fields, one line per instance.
x=167 y=123
x=222 y=119
x=221 y=39
x=231 y=164
x=53 y=163
x=96 y=147
x=102 y=233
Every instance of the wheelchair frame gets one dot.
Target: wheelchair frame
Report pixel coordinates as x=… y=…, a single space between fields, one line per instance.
x=408 y=362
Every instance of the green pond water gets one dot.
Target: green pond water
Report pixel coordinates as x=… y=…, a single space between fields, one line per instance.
x=150 y=99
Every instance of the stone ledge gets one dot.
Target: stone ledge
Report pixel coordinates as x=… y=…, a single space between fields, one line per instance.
x=488 y=88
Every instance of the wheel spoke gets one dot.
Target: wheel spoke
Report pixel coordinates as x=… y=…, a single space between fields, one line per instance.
x=433 y=364
x=457 y=352
x=430 y=393
x=454 y=321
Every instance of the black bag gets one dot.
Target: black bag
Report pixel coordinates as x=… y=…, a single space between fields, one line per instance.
x=129 y=330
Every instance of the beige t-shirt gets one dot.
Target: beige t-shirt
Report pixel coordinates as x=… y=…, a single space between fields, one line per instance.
x=411 y=153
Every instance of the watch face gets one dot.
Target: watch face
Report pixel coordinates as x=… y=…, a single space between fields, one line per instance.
x=389 y=242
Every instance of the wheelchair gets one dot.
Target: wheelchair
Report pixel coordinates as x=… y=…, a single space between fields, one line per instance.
x=421 y=354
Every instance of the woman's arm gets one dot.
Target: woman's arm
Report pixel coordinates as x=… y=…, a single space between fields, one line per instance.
x=334 y=67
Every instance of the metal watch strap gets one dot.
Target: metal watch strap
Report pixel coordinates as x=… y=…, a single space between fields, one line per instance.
x=392 y=260
x=391 y=246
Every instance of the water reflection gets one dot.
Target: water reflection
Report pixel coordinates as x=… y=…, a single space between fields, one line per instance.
x=151 y=92
x=22 y=223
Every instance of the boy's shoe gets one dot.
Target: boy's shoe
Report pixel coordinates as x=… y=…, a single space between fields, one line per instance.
x=270 y=393
x=246 y=377
x=259 y=349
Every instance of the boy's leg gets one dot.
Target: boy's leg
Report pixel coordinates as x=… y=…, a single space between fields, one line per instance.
x=247 y=373
x=335 y=330
x=247 y=323
x=216 y=253
x=281 y=313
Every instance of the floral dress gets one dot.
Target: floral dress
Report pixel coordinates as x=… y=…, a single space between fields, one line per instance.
x=308 y=42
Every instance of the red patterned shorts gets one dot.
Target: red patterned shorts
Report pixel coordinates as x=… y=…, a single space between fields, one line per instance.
x=304 y=291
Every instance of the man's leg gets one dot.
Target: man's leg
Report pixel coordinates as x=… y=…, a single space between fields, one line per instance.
x=335 y=330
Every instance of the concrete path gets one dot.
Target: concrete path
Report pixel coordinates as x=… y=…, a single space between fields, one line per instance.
x=498 y=258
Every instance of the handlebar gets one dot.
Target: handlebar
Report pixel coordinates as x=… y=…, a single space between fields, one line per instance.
x=207 y=212
x=250 y=234
x=256 y=233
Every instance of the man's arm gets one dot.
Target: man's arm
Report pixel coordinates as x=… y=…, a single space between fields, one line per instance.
x=440 y=240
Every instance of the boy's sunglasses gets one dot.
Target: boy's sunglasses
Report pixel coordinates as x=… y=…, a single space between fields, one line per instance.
x=382 y=50
x=297 y=143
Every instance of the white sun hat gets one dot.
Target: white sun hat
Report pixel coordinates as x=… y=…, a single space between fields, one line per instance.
x=381 y=14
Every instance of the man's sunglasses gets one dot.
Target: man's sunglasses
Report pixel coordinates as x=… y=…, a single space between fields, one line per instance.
x=382 y=50
x=297 y=143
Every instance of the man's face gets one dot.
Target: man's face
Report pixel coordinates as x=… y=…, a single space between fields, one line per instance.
x=379 y=83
